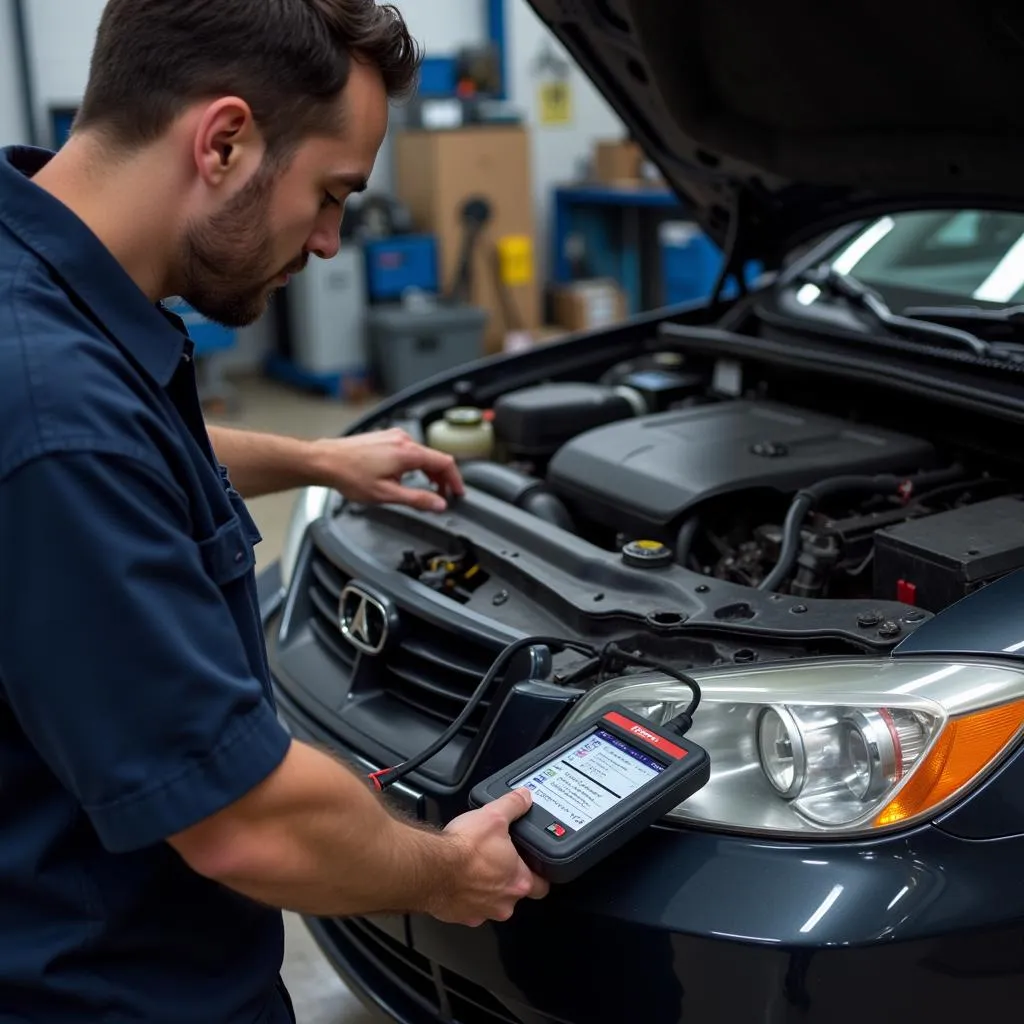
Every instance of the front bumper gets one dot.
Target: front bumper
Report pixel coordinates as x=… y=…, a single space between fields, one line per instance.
x=698 y=928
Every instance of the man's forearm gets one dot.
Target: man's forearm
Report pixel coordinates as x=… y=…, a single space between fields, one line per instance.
x=265 y=463
x=313 y=839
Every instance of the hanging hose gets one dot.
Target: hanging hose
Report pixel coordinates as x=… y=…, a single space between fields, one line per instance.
x=519 y=489
x=805 y=500
x=684 y=542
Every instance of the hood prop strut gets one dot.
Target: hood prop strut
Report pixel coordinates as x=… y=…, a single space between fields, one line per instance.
x=735 y=255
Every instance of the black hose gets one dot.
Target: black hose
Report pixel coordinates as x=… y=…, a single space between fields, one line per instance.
x=798 y=510
x=541 y=503
x=806 y=499
x=519 y=489
x=684 y=542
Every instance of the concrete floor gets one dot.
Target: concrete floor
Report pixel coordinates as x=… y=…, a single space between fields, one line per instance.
x=319 y=995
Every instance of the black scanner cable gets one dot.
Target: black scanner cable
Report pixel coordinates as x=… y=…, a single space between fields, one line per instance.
x=601 y=661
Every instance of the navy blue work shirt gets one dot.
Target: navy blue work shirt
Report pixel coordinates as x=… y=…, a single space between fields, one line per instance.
x=135 y=698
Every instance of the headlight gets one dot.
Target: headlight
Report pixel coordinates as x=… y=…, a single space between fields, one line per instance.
x=311 y=505
x=834 y=747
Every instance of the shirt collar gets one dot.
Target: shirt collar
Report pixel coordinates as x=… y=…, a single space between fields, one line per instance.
x=153 y=336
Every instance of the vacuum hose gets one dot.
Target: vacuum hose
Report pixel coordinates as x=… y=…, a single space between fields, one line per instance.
x=519 y=489
x=684 y=541
x=805 y=500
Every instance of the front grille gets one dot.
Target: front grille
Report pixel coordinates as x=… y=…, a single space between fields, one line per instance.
x=325 y=586
x=431 y=669
x=458 y=999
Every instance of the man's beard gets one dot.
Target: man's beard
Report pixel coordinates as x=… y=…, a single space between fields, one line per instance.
x=228 y=261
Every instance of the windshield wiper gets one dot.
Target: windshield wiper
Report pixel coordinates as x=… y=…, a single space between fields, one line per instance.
x=996 y=323
x=830 y=280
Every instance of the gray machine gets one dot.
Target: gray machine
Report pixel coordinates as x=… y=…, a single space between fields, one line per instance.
x=327 y=315
x=412 y=341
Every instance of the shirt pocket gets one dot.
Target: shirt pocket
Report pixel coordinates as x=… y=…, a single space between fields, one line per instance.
x=240 y=509
x=228 y=553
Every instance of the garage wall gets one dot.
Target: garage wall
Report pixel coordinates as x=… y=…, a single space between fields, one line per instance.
x=558 y=151
x=60 y=39
x=61 y=34
x=12 y=127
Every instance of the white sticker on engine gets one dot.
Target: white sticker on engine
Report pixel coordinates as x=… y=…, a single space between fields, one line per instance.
x=728 y=378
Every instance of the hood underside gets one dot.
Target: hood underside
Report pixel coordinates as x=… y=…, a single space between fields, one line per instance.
x=781 y=119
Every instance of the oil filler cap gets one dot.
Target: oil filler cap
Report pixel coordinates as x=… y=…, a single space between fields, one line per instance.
x=647 y=554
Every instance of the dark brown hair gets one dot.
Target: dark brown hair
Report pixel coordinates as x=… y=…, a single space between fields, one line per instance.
x=288 y=59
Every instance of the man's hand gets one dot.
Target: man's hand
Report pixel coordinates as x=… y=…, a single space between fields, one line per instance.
x=369 y=468
x=493 y=878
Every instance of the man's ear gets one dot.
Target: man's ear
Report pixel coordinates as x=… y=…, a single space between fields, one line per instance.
x=227 y=141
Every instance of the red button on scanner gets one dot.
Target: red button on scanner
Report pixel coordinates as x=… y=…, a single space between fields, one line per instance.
x=556 y=830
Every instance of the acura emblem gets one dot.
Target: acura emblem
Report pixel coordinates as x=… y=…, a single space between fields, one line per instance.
x=364 y=620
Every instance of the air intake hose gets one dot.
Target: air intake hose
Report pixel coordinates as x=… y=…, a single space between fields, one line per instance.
x=519 y=489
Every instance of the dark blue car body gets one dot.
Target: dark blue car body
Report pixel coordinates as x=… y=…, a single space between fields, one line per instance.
x=684 y=925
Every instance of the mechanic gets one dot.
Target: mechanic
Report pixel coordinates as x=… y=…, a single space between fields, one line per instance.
x=156 y=815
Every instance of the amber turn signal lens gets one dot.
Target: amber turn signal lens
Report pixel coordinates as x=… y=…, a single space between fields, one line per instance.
x=966 y=747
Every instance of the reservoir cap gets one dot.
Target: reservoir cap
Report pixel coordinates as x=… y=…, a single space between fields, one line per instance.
x=647 y=554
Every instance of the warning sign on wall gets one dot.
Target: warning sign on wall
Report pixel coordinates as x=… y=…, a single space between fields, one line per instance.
x=555 y=102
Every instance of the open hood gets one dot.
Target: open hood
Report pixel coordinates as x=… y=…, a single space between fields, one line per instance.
x=781 y=119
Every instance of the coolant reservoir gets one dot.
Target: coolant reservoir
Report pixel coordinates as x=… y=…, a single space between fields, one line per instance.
x=463 y=433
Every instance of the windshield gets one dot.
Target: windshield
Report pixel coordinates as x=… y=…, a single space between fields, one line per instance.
x=971 y=257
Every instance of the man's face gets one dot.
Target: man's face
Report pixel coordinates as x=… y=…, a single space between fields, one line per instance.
x=238 y=256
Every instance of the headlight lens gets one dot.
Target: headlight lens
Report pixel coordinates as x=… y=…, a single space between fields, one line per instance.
x=780 y=744
x=835 y=747
x=311 y=504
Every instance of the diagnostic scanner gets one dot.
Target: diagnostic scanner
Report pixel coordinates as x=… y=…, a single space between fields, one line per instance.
x=596 y=788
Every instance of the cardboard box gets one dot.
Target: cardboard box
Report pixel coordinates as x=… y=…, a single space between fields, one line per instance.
x=618 y=163
x=436 y=172
x=590 y=304
x=548 y=334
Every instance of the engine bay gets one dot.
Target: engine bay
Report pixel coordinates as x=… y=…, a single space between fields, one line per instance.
x=655 y=462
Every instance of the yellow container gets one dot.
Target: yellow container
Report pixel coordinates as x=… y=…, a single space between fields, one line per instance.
x=515 y=257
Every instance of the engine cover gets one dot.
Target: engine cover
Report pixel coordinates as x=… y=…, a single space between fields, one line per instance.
x=646 y=474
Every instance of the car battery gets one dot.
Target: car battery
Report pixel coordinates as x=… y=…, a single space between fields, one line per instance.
x=396 y=265
x=936 y=560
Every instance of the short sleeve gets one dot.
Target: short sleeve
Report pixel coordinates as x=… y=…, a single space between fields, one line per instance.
x=118 y=653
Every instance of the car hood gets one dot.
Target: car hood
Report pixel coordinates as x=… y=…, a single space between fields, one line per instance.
x=781 y=119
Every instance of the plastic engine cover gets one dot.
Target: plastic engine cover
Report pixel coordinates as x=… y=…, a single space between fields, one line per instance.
x=648 y=472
